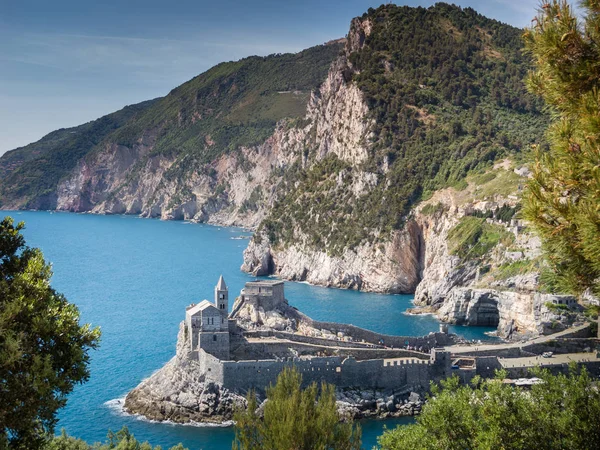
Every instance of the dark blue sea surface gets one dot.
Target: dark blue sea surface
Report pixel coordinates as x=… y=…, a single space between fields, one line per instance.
x=133 y=277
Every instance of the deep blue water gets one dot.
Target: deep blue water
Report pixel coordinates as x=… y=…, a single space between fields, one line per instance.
x=133 y=278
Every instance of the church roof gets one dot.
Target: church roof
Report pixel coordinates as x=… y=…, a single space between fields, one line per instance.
x=204 y=304
x=221 y=286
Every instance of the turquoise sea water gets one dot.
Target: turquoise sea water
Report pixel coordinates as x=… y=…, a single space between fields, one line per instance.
x=133 y=278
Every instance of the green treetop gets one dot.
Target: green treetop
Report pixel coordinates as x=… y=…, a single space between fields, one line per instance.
x=563 y=199
x=43 y=348
x=560 y=413
x=295 y=418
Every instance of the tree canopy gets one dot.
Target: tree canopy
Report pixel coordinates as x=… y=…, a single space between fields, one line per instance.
x=44 y=351
x=562 y=412
x=295 y=418
x=563 y=199
x=121 y=440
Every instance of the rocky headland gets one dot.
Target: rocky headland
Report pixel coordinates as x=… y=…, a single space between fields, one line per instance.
x=180 y=392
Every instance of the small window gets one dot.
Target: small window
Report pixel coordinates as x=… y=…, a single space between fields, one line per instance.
x=214 y=337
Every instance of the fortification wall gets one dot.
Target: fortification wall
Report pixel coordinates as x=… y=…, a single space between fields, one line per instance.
x=333 y=342
x=267 y=349
x=562 y=345
x=487 y=366
x=343 y=372
x=215 y=343
x=593 y=367
x=427 y=342
x=211 y=367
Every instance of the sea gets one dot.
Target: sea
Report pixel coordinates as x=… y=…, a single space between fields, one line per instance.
x=133 y=278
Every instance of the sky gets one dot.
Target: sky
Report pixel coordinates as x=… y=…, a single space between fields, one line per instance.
x=66 y=62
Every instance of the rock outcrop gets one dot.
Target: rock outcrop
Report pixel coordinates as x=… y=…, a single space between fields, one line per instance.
x=392 y=267
x=179 y=393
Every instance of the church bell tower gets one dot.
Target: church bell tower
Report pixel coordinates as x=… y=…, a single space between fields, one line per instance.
x=222 y=297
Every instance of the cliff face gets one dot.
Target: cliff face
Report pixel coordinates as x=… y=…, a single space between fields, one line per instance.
x=233 y=190
x=393 y=266
x=332 y=188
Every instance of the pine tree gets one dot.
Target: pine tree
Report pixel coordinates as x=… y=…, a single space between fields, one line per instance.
x=295 y=419
x=563 y=198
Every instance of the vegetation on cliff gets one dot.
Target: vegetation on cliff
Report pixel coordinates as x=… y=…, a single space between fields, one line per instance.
x=563 y=199
x=472 y=238
x=302 y=419
x=561 y=412
x=445 y=91
x=29 y=174
x=232 y=104
x=44 y=351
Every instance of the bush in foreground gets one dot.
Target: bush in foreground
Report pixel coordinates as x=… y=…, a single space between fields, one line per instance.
x=121 y=440
x=562 y=412
x=44 y=351
x=295 y=418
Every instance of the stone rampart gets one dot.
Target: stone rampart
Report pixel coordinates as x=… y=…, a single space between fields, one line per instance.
x=344 y=372
x=359 y=334
x=332 y=342
x=593 y=367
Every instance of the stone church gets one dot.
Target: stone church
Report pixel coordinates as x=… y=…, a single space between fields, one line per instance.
x=208 y=324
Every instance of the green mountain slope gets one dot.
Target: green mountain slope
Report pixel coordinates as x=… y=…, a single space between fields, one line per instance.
x=33 y=171
x=445 y=91
x=233 y=104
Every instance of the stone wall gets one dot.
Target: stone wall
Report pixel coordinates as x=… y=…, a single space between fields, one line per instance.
x=344 y=372
x=359 y=334
x=215 y=343
x=340 y=343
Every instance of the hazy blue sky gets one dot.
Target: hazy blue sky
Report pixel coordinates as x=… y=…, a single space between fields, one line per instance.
x=65 y=62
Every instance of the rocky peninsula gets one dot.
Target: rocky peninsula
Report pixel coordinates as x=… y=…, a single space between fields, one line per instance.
x=221 y=357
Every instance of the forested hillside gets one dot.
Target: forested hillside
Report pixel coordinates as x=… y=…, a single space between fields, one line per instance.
x=445 y=92
x=231 y=105
x=32 y=172
x=326 y=152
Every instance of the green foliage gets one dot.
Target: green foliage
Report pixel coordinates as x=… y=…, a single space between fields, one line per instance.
x=556 y=307
x=444 y=86
x=295 y=418
x=472 y=238
x=121 y=440
x=446 y=98
x=503 y=213
x=563 y=197
x=515 y=268
x=251 y=204
x=232 y=104
x=434 y=209
x=562 y=413
x=29 y=174
x=43 y=349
